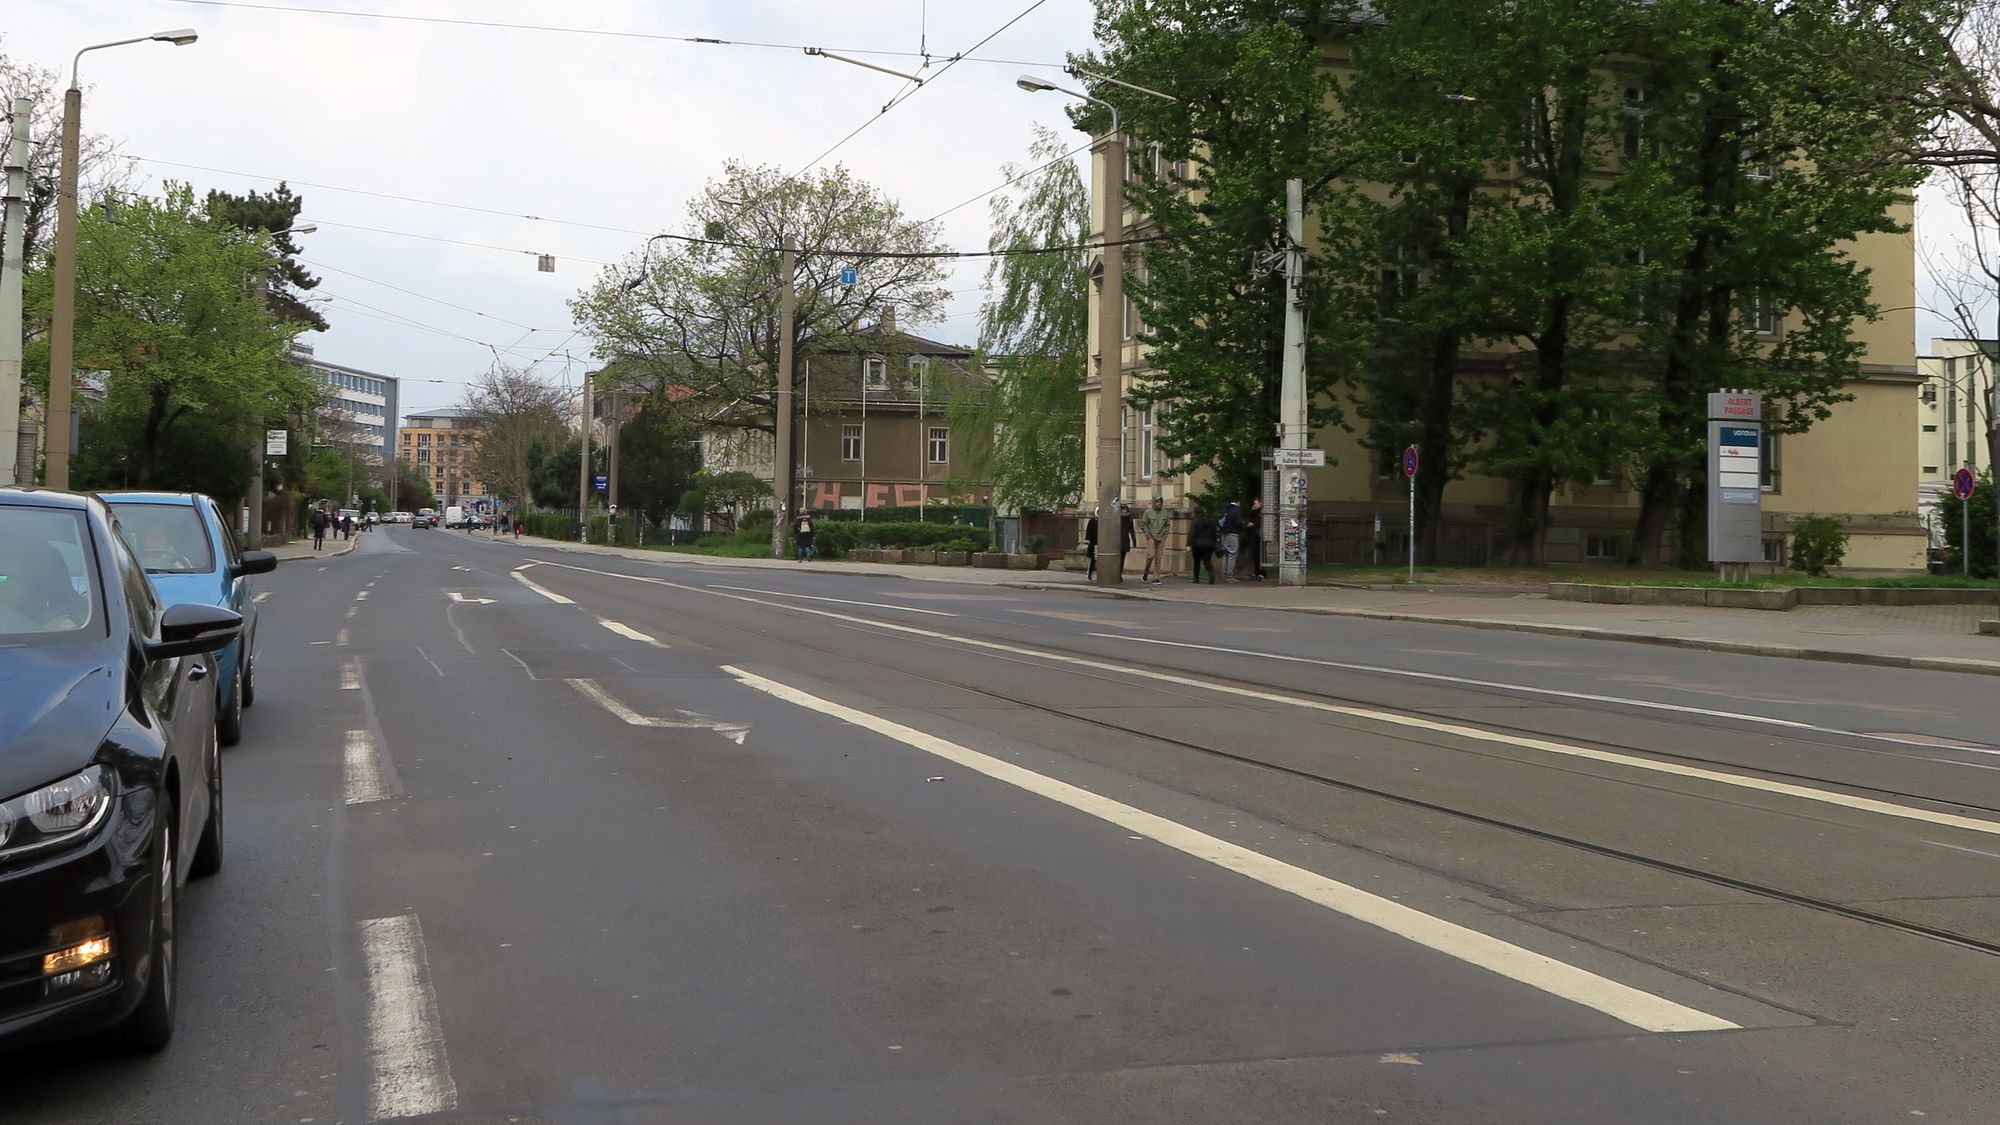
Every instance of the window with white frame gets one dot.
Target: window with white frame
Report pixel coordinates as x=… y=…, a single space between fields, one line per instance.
x=1402 y=274
x=1755 y=154
x=1147 y=461
x=850 y=443
x=875 y=373
x=1635 y=122
x=940 y=445
x=920 y=370
x=1760 y=314
x=1635 y=306
x=1770 y=462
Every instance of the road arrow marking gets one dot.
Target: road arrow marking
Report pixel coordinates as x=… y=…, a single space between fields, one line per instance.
x=692 y=720
x=463 y=600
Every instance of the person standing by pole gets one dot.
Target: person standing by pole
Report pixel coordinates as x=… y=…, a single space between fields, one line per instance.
x=1090 y=545
x=1231 y=529
x=1156 y=523
x=1201 y=544
x=319 y=522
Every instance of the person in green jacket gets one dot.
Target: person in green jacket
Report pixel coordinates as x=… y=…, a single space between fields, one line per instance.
x=1155 y=523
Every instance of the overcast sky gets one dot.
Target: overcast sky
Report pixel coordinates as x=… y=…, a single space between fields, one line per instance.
x=601 y=129
x=613 y=130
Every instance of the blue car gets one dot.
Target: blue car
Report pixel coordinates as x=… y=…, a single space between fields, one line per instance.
x=192 y=555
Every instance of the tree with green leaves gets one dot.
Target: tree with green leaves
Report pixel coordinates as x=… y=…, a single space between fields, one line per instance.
x=657 y=461
x=1769 y=155
x=722 y=495
x=166 y=307
x=1032 y=333
x=513 y=412
x=275 y=213
x=699 y=312
x=1254 y=107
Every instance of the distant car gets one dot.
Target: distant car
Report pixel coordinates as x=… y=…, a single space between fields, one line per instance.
x=110 y=775
x=421 y=520
x=192 y=555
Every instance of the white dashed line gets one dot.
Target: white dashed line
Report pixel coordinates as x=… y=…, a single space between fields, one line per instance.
x=839 y=601
x=367 y=780
x=350 y=676
x=410 y=1074
x=630 y=633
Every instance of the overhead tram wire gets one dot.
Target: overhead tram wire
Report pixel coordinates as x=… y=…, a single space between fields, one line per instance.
x=903 y=97
x=606 y=33
x=420 y=296
x=1011 y=181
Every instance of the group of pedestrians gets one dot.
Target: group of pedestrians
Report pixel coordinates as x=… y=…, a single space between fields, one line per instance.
x=323 y=521
x=1231 y=536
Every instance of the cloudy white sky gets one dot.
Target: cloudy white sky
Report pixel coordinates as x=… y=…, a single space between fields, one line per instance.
x=616 y=130
x=611 y=130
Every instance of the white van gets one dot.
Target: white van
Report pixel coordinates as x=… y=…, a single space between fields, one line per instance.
x=454 y=516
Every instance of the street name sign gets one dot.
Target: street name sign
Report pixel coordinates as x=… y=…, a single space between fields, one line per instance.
x=1299 y=458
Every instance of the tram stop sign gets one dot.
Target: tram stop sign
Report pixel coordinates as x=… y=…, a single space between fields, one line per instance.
x=1963 y=485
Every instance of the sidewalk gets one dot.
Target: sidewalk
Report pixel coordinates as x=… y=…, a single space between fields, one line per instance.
x=1931 y=638
x=299 y=549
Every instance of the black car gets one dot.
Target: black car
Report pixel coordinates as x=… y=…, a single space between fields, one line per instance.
x=110 y=775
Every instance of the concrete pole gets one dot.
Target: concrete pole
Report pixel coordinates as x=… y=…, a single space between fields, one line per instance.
x=13 y=259
x=1292 y=398
x=781 y=457
x=62 y=322
x=583 y=470
x=1111 y=362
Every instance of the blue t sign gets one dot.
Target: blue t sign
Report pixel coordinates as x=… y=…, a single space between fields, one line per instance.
x=849 y=276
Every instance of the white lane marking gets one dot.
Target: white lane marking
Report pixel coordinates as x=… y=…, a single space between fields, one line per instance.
x=841 y=601
x=260 y=597
x=1588 y=697
x=454 y=595
x=366 y=779
x=1619 y=1001
x=351 y=610
x=429 y=661
x=734 y=732
x=361 y=595
x=340 y=638
x=350 y=676
x=410 y=1075
x=552 y=596
x=371 y=585
x=630 y=633
x=1459 y=730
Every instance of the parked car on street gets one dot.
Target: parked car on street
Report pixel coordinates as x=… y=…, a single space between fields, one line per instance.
x=192 y=555
x=110 y=774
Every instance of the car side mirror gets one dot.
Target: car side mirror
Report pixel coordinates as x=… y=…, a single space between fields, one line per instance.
x=254 y=562
x=191 y=628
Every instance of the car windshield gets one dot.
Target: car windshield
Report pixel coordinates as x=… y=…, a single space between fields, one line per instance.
x=47 y=585
x=168 y=538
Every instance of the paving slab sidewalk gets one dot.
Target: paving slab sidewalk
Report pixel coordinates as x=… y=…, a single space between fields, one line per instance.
x=300 y=549
x=1932 y=638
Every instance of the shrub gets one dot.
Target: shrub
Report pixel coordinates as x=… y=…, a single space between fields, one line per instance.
x=756 y=519
x=1036 y=544
x=1818 y=545
x=834 y=539
x=549 y=525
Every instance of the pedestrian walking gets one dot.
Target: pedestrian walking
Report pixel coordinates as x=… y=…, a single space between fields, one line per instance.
x=319 y=522
x=1128 y=536
x=1201 y=544
x=1230 y=526
x=347 y=528
x=1156 y=524
x=519 y=527
x=1253 y=527
x=803 y=535
x=1090 y=546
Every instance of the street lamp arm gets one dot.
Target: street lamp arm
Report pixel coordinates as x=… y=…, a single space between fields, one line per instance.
x=179 y=37
x=1079 y=72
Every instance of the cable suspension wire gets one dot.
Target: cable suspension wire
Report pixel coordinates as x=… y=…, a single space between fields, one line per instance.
x=420 y=296
x=607 y=33
x=903 y=97
x=1011 y=181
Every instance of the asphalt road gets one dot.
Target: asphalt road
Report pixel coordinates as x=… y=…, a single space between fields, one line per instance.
x=608 y=841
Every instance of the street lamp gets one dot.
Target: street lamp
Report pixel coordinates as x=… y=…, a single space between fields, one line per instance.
x=1110 y=338
x=62 y=327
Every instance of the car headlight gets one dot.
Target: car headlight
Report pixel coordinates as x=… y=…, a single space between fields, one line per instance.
x=55 y=812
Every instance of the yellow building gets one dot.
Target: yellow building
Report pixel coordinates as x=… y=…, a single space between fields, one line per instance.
x=1860 y=464
x=442 y=445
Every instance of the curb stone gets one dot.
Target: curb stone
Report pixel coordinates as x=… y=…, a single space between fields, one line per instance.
x=1541 y=628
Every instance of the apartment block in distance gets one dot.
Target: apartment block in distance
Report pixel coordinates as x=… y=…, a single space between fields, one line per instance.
x=441 y=444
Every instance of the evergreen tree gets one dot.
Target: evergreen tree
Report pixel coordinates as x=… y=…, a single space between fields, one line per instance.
x=275 y=214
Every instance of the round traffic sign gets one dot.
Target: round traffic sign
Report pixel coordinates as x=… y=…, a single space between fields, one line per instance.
x=1410 y=461
x=1963 y=484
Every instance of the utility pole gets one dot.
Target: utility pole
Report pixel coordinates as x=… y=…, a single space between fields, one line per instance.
x=583 y=471
x=62 y=321
x=1111 y=360
x=781 y=460
x=13 y=257
x=1292 y=415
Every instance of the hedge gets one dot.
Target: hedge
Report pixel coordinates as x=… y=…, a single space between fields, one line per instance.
x=967 y=516
x=834 y=539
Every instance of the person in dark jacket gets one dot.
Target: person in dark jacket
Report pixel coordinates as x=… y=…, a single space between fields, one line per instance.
x=1090 y=546
x=1201 y=543
x=1230 y=530
x=319 y=522
x=1253 y=530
